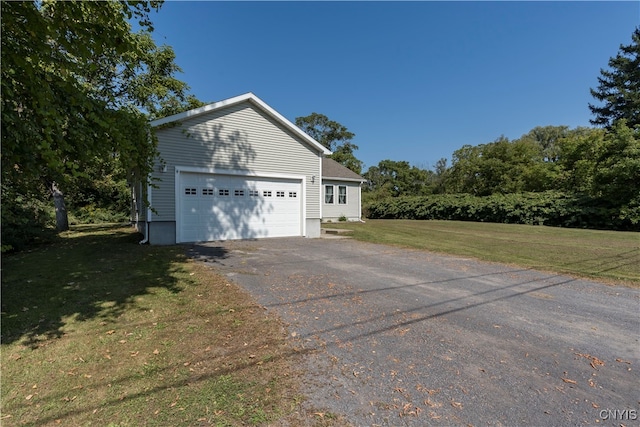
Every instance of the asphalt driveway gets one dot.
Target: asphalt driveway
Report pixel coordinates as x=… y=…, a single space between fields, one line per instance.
x=404 y=337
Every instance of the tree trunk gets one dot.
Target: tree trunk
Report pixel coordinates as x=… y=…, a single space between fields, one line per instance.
x=62 y=219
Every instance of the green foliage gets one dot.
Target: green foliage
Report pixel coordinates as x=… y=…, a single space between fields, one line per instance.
x=603 y=164
x=92 y=214
x=78 y=86
x=327 y=132
x=502 y=166
x=26 y=220
x=619 y=88
x=393 y=179
x=583 y=177
x=546 y=208
x=334 y=137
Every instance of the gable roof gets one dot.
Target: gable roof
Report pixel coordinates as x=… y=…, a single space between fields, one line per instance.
x=334 y=170
x=254 y=100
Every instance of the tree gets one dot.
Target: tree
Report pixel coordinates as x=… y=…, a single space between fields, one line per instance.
x=334 y=137
x=619 y=88
x=603 y=165
x=78 y=85
x=617 y=166
x=398 y=178
x=501 y=166
x=440 y=176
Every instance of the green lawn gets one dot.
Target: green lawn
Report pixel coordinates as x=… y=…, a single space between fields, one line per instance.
x=98 y=330
x=610 y=256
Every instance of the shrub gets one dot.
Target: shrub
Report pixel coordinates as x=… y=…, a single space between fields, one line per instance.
x=25 y=221
x=551 y=208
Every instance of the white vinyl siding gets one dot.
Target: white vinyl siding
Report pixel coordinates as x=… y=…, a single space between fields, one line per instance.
x=347 y=205
x=237 y=138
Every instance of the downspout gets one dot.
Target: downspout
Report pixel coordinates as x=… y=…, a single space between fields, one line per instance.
x=146 y=234
x=146 y=226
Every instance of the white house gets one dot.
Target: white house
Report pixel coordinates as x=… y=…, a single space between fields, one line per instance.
x=237 y=169
x=342 y=192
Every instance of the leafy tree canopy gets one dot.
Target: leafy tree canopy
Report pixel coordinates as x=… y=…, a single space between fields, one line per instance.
x=78 y=84
x=334 y=137
x=619 y=87
x=78 y=87
x=398 y=178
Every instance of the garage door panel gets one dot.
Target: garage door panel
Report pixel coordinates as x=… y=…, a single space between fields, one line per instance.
x=223 y=207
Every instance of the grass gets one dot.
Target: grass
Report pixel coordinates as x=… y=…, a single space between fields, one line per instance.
x=609 y=256
x=98 y=330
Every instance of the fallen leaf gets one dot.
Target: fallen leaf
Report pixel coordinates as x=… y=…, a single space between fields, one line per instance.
x=567 y=380
x=456 y=404
x=595 y=405
x=111 y=332
x=156 y=351
x=434 y=416
x=594 y=361
x=29 y=397
x=623 y=361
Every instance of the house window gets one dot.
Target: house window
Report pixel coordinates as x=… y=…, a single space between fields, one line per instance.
x=238 y=193
x=293 y=194
x=254 y=193
x=266 y=193
x=190 y=191
x=279 y=193
x=342 y=194
x=328 y=194
x=223 y=192
x=207 y=191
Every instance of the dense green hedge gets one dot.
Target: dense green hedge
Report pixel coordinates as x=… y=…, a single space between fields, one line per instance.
x=547 y=208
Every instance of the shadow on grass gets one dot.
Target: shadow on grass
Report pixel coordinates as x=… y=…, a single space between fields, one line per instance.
x=93 y=273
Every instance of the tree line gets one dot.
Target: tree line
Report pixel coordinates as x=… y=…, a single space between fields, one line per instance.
x=593 y=172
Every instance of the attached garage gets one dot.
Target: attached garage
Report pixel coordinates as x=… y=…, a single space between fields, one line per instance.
x=227 y=207
x=235 y=169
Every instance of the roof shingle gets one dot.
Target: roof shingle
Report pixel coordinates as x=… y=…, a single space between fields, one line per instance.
x=333 y=169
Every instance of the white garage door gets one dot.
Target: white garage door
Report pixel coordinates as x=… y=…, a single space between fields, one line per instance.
x=225 y=207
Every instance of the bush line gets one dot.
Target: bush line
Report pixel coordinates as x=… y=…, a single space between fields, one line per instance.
x=552 y=208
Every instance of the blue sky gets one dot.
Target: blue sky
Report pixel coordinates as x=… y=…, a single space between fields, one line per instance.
x=413 y=80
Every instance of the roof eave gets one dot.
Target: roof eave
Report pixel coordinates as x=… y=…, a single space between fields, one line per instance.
x=337 y=178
